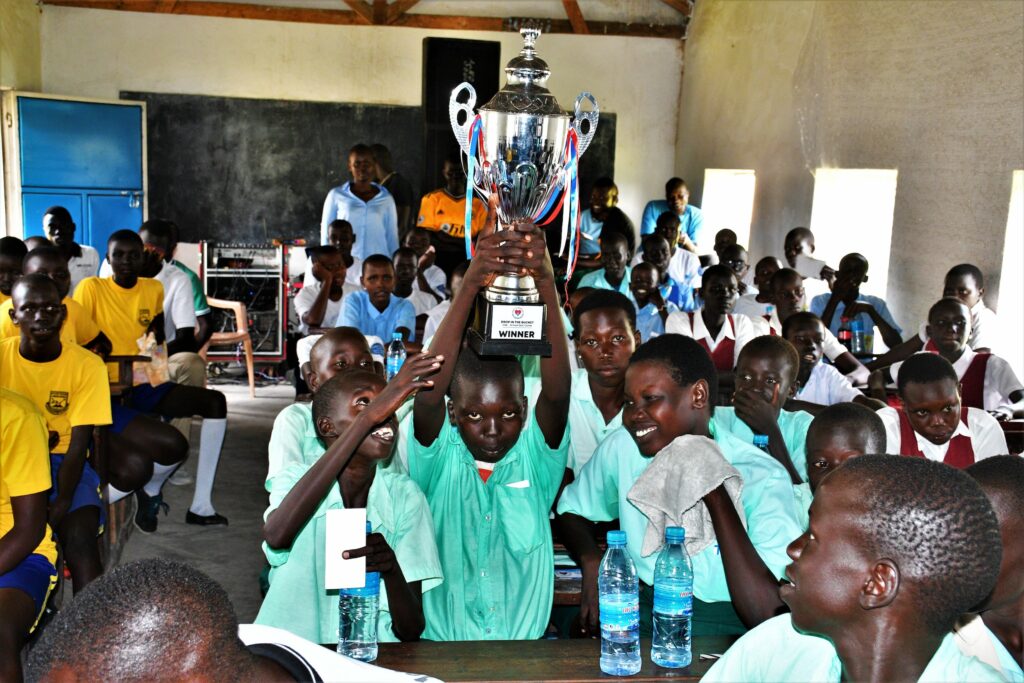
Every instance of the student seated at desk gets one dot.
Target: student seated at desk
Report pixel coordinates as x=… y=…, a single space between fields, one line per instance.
x=78 y=327
x=12 y=253
x=998 y=625
x=490 y=472
x=670 y=392
x=819 y=384
x=68 y=385
x=683 y=266
x=407 y=273
x=27 y=551
x=986 y=380
x=677 y=203
x=657 y=253
x=429 y=278
x=126 y=307
x=736 y=259
x=787 y=288
x=318 y=303
x=846 y=301
x=604 y=195
x=376 y=311
x=897 y=549
x=354 y=414
x=722 y=334
x=615 y=272
x=604 y=329
x=652 y=311
x=758 y=303
x=293 y=439
x=83 y=260
x=933 y=423
x=438 y=312
x=766 y=375
x=800 y=241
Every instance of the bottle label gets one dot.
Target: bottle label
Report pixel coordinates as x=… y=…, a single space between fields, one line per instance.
x=673 y=598
x=620 y=612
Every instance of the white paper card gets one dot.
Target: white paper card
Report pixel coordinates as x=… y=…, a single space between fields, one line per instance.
x=809 y=267
x=346 y=530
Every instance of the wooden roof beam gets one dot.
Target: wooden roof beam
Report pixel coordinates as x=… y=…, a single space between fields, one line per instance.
x=398 y=8
x=575 y=14
x=684 y=7
x=364 y=11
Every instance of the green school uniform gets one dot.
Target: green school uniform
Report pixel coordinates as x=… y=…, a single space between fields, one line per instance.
x=586 y=423
x=792 y=424
x=804 y=498
x=293 y=441
x=599 y=494
x=776 y=651
x=297 y=600
x=494 y=537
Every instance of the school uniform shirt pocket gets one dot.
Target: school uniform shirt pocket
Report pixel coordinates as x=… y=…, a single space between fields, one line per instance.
x=520 y=514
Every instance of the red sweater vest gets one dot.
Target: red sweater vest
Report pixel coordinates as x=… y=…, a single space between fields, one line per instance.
x=724 y=354
x=960 y=453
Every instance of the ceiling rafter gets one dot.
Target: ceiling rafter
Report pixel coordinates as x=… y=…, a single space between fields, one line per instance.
x=398 y=8
x=575 y=14
x=363 y=10
x=684 y=7
x=212 y=8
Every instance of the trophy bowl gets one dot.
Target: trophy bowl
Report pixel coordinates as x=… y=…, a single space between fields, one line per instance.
x=522 y=147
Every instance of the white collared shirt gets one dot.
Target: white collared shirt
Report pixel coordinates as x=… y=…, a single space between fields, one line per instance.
x=1000 y=380
x=987 y=438
x=831 y=346
x=83 y=266
x=179 y=304
x=306 y=297
x=827 y=386
x=745 y=330
x=749 y=306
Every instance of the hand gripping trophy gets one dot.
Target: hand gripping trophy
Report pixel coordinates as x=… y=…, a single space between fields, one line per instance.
x=524 y=148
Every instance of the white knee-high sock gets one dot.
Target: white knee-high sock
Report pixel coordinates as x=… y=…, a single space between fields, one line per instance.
x=160 y=474
x=211 y=438
x=114 y=494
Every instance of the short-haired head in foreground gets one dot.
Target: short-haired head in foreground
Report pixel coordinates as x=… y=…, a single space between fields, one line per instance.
x=930 y=391
x=680 y=376
x=907 y=542
x=36 y=241
x=838 y=433
x=145 y=621
x=488 y=404
x=925 y=368
x=1002 y=479
x=782 y=354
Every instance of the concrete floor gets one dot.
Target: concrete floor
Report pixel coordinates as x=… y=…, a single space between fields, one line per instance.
x=231 y=554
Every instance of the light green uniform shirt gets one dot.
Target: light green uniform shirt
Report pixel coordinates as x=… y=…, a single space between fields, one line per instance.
x=599 y=494
x=293 y=440
x=792 y=424
x=586 y=423
x=297 y=600
x=804 y=498
x=494 y=537
x=776 y=651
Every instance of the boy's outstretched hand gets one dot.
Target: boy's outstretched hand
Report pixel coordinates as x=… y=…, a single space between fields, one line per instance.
x=379 y=555
x=410 y=379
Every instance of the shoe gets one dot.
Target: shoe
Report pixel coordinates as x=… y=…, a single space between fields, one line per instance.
x=149 y=507
x=181 y=478
x=205 y=520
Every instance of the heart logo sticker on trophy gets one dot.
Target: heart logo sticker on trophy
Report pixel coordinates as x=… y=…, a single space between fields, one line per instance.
x=524 y=148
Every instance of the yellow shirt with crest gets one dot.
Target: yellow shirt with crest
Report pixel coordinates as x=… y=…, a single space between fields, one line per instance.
x=79 y=328
x=123 y=314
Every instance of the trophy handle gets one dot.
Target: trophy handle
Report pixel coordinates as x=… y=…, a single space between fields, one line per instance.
x=455 y=107
x=579 y=117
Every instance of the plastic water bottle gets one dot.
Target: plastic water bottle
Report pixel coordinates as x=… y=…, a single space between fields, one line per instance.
x=673 y=602
x=357 y=618
x=619 y=599
x=396 y=355
x=857 y=346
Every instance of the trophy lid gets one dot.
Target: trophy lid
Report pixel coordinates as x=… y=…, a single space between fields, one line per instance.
x=524 y=89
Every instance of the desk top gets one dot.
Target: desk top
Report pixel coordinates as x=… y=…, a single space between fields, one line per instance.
x=534 y=660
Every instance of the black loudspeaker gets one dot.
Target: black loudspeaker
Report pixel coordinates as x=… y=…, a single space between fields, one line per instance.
x=447 y=62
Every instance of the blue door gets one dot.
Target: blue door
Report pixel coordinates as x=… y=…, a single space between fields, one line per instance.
x=86 y=157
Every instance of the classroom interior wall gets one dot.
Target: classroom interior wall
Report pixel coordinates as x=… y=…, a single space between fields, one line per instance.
x=931 y=89
x=20 y=49
x=636 y=78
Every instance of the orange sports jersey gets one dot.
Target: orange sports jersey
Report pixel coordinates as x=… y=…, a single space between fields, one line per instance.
x=440 y=212
x=79 y=328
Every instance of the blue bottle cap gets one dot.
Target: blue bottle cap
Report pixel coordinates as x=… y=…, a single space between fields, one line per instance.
x=617 y=538
x=675 y=534
x=369 y=529
x=396 y=336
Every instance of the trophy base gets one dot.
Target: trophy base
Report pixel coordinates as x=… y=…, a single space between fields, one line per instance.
x=509 y=329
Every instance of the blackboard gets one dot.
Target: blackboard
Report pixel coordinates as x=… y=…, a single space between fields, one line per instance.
x=243 y=170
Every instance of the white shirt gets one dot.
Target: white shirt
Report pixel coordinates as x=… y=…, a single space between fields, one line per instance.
x=827 y=386
x=434 y=317
x=306 y=297
x=1000 y=380
x=683 y=267
x=984 y=328
x=749 y=305
x=587 y=427
x=421 y=301
x=679 y=323
x=179 y=304
x=832 y=347
x=352 y=276
x=987 y=438
x=83 y=266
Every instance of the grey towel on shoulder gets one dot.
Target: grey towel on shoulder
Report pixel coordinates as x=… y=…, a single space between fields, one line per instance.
x=670 y=492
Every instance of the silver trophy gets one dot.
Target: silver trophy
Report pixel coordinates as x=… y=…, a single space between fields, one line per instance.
x=523 y=156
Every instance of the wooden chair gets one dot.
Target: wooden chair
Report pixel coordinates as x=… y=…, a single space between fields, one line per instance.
x=241 y=334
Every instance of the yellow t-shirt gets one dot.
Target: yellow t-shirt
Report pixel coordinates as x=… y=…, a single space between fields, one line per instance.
x=79 y=328
x=24 y=461
x=442 y=213
x=70 y=391
x=123 y=314
x=4 y=297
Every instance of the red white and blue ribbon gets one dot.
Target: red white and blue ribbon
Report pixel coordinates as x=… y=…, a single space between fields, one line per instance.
x=476 y=145
x=571 y=218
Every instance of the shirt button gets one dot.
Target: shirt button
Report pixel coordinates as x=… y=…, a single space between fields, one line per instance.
x=483 y=573
x=487 y=517
x=487 y=631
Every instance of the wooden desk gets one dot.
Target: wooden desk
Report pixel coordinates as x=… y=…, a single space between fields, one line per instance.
x=534 y=660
